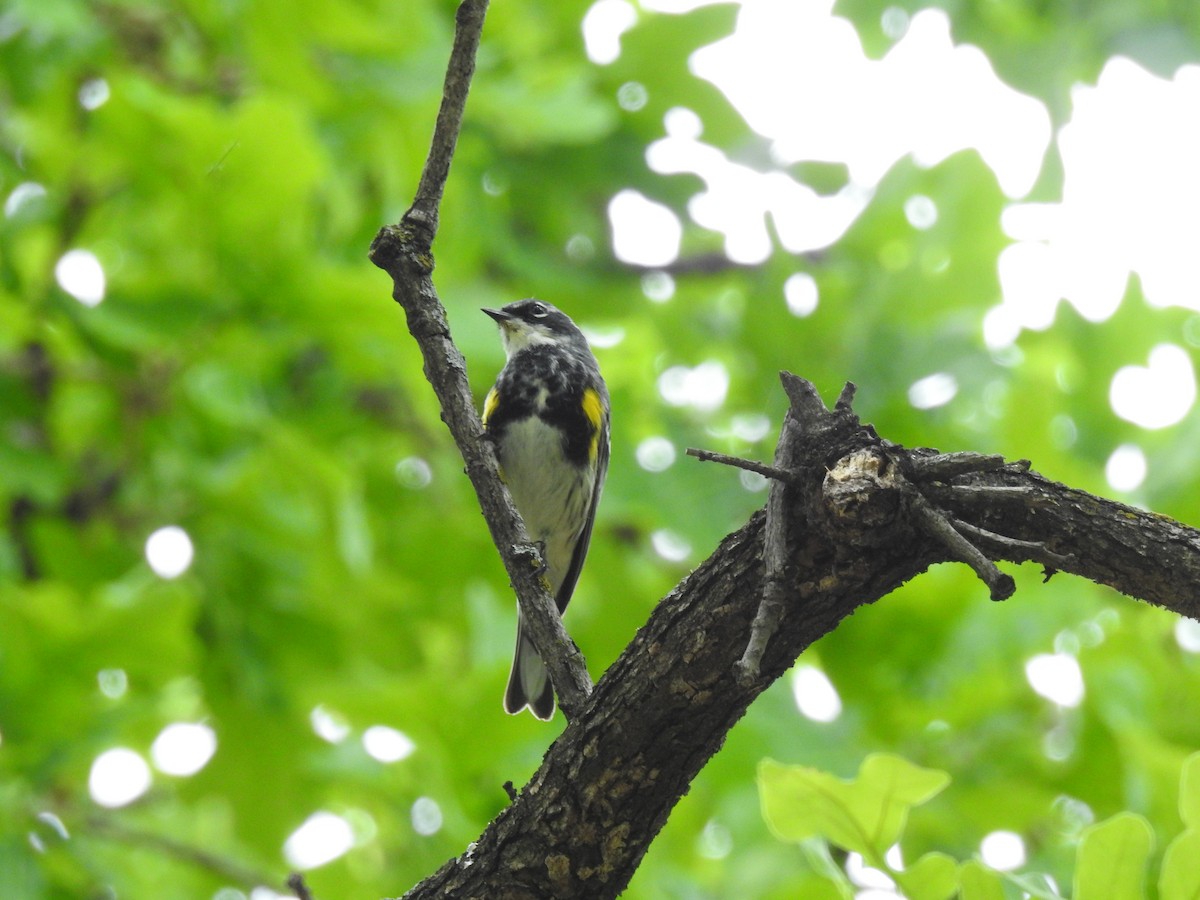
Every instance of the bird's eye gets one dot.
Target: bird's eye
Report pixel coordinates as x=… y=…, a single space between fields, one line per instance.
x=537 y=310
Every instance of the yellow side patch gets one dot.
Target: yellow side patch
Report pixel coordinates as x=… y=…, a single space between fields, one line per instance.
x=490 y=404
x=593 y=408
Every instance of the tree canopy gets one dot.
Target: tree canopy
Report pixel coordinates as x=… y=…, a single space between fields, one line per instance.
x=308 y=662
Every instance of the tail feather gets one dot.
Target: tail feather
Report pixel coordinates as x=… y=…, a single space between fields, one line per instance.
x=528 y=683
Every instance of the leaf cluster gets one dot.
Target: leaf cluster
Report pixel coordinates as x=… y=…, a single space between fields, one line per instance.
x=867 y=816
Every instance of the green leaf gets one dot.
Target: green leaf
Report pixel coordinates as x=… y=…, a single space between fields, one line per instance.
x=1111 y=862
x=866 y=815
x=1189 y=792
x=978 y=882
x=816 y=852
x=932 y=877
x=1180 y=876
x=1035 y=884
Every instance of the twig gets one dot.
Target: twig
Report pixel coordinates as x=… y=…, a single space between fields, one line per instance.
x=739 y=463
x=845 y=399
x=403 y=251
x=944 y=466
x=110 y=829
x=1018 y=548
x=217 y=166
x=775 y=545
x=938 y=526
x=296 y=883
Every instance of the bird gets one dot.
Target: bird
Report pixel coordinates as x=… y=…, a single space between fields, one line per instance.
x=548 y=418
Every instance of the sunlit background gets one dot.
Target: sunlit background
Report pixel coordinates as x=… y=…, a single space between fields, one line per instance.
x=798 y=73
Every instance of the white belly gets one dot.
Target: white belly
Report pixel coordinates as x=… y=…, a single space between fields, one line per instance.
x=551 y=495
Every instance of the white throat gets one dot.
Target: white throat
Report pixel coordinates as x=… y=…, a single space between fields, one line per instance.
x=518 y=337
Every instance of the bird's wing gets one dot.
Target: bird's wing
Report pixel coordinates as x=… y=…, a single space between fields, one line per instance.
x=585 y=535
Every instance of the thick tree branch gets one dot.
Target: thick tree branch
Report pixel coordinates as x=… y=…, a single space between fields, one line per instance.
x=607 y=785
x=404 y=252
x=1142 y=554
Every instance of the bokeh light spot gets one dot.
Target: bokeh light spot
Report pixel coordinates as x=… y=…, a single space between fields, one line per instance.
x=1003 y=850
x=1057 y=677
x=644 y=233
x=603 y=24
x=655 y=454
x=118 y=777
x=1126 y=468
x=169 y=551
x=933 y=391
x=321 y=839
x=426 y=816
x=702 y=388
x=328 y=725
x=414 y=473
x=113 y=683
x=80 y=274
x=183 y=748
x=1159 y=394
x=387 y=744
x=24 y=194
x=815 y=696
x=921 y=212
x=670 y=546
x=800 y=292
x=94 y=93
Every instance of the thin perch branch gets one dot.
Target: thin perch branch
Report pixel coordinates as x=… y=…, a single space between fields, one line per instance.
x=403 y=251
x=423 y=214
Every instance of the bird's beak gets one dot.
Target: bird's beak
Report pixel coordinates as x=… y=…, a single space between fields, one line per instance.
x=499 y=315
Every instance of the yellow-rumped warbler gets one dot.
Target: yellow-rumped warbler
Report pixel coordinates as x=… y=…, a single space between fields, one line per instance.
x=548 y=417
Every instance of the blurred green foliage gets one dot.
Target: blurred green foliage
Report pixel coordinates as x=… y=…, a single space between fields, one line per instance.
x=247 y=378
x=867 y=815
